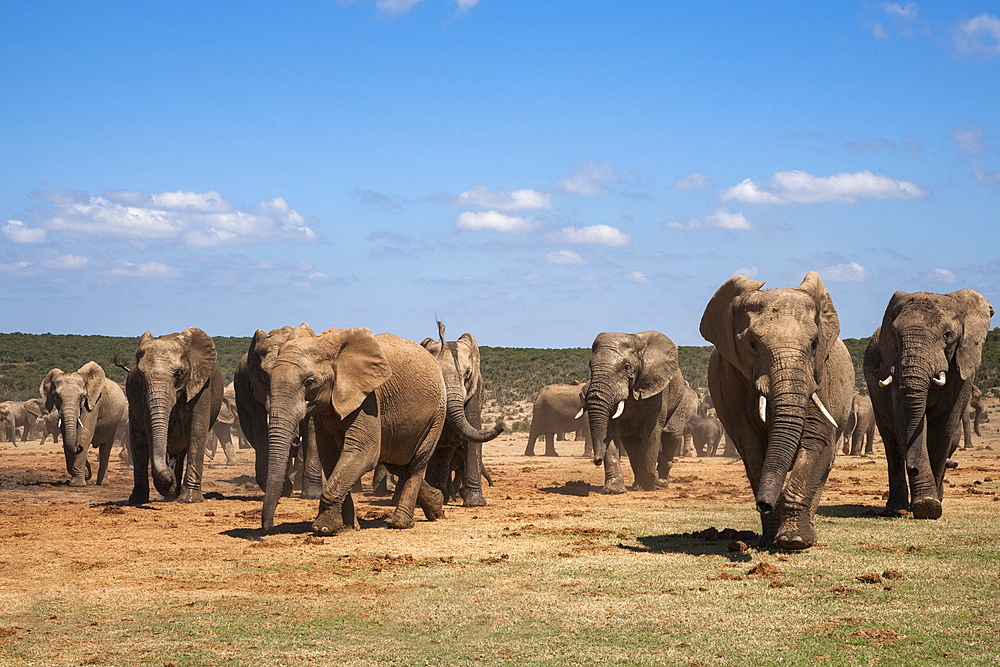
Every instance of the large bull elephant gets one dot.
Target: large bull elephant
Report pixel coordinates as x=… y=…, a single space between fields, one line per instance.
x=636 y=400
x=558 y=408
x=174 y=394
x=859 y=431
x=782 y=382
x=463 y=435
x=21 y=415
x=91 y=407
x=374 y=399
x=920 y=366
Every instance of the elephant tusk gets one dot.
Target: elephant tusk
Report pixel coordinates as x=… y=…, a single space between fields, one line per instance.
x=886 y=382
x=822 y=408
x=79 y=422
x=620 y=410
x=940 y=379
x=60 y=422
x=762 y=408
x=579 y=414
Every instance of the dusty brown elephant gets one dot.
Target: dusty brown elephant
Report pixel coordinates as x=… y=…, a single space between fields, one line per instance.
x=859 y=431
x=463 y=435
x=558 y=408
x=90 y=408
x=705 y=433
x=920 y=366
x=636 y=400
x=174 y=394
x=252 y=382
x=374 y=399
x=971 y=423
x=49 y=426
x=226 y=428
x=19 y=415
x=782 y=382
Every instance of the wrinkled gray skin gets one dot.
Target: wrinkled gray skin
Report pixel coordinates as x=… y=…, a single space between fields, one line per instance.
x=558 y=408
x=783 y=345
x=920 y=366
x=252 y=382
x=374 y=399
x=16 y=415
x=463 y=435
x=90 y=408
x=174 y=392
x=705 y=433
x=969 y=422
x=639 y=373
x=859 y=431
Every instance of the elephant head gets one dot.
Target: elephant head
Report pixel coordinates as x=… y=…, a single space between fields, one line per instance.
x=778 y=340
x=73 y=395
x=330 y=374
x=169 y=370
x=624 y=367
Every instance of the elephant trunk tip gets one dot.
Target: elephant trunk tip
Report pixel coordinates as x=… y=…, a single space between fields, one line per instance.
x=767 y=498
x=598 y=461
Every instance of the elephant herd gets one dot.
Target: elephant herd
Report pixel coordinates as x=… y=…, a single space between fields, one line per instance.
x=335 y=405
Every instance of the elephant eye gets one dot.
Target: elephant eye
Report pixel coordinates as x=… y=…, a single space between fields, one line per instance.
x=309 y=382
x=815 y=343
x=948 y=335
x=753 y=344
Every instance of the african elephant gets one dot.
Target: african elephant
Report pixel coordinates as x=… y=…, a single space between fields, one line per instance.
x=558 y=408
x=374 y=399
x=970 y=423
x=636 y=400
x=225 y=428
x=50 y=426
x=463 y=435
x=252 y=382
x=21 y=415
x=920 y=366
x=782 y=382
x=860 y=427
x=90 y=408
x=705 y=433
x=174 y=394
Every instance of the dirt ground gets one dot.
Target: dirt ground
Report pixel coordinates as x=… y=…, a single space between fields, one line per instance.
x=62 y=545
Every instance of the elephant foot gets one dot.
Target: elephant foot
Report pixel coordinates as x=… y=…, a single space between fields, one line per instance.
x=400 y=520
x=328 y=522
x=529 y=452
x=138 y=498
x=613 y=489
x=310 y=495
x=190 y=496
x=661 y=483
x=78 y=481
x=926 y=508
x=552 y=453
x=791 y=542
x=472 y=498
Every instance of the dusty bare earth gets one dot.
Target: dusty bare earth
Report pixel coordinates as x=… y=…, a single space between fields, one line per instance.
x=63 y=550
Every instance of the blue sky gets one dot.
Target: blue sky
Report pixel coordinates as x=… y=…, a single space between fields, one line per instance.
x=532 y=172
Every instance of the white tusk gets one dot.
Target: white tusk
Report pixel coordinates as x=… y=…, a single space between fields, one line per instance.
x=579 y=414
x=267 y=419
x=620 y=410
x=886 y=382
x=60 y=422
x=822 y=408
x=940 y=379
x=79 y=422
x=762 y=408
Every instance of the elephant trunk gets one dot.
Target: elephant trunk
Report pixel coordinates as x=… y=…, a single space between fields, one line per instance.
x=975 y=422
x=599 y=404
x=282 y=429
x=914 y=386
x=70 y=416
x=458 y=420
x=160 y=399
x=789 y=401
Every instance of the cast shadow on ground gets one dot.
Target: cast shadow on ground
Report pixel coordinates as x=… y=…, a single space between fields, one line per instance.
x=291 y=528
x=850 y=511
x=572 y=488
x=729 y=543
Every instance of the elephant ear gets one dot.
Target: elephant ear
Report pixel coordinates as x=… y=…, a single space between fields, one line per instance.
x=826 y=318
x=976 y=312
x=717 y=323
x=658 y=355
x=202 y=359
x=34 y=406
x=475 y=379
x=431 y=346
x=93 y=382
x=47 y=388
x=888 y=340
x=361 y=367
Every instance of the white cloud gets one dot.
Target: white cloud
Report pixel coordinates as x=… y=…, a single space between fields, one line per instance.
x=593 y=234
x=196 y=219
x=18 y=232
x=909 y=12
x=908 y=145
x=971 y=139
x=504 y=200
x=695 y=181
x=70 y=262
x=564 y=257
x=717 y=220
x=589 y=179
x=941 y=276
x=979 y=36
x=494 y=221
x=403 y=6
x=636 y=277
x=985 y=176
x=748 y=271
x=785 y=187
x=147 y=270
x=851 y=272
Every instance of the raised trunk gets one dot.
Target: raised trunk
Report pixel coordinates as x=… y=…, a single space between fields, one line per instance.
x=281 y=432
x=789 y=400
x=458 y=420
x=160 y=400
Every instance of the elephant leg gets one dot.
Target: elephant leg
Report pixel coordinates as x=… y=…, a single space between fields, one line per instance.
x=103 y=458
x=529 y=449
x=76 y=466
x=430 y=501
x=670 y=445
x=857 y=440
x=380 y=481
x=312 y=469
x=344 y=465
x=925 y=499
x=347 y=514
x=804 y=487
x=644 y=458
x=228 y=449
x=472 y=486
x=550 y=447
x=899 y=490
x=191 y=463
x=870 y=442
x=140 y=469
x=614 y=481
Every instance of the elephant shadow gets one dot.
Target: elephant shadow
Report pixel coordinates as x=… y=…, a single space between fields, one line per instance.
x=705 y=542
x=572 y=488
x=292 y=528
x=848 y=511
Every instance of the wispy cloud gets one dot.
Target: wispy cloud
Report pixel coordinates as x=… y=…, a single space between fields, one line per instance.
x=397 y=7
x=850 y=272
x=717 y=220
x=895 y=18
x=494 y=221
x=978 y=37
x=18 y=232
x=195 y=219
x=598 y=179
x=636 y=277
x=943 y=276
x=784 y=187
x=593 y=234
x=566 y=257
x=970 y=138
x=985 y=176
x=504 y=200
x=908 y=145
x=695 y=181
x=147 y=270
x=379 y=200
x=67 y=262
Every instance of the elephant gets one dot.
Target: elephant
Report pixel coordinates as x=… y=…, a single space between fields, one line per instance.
x=706 y=407
x=49 y=426
x=252 y=381
x=705 y=433
x=373 y=399
x=90 y=406
x=920 y=366
x=174 y=392
x=860 y=427
x=782 y=382
x=461 y=444
x=970 y=423
x=226 y=426
x=558 y=408
x=21 y=415
x=636 y=400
